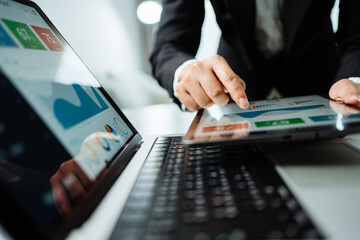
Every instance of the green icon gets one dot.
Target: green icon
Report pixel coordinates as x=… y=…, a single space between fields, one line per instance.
x=24 y=34
x=276 y=123
x=223 y=236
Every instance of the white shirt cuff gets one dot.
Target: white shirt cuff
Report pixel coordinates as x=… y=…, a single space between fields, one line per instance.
x=178 y=71
x=355 y=79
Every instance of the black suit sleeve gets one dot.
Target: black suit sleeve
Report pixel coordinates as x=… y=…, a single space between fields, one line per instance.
x=178 y=38
x=348 y=39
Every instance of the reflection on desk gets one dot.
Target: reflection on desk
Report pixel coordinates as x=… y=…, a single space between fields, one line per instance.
x=160 y=119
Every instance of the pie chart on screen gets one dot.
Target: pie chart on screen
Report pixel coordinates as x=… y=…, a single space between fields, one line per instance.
x=120 y=124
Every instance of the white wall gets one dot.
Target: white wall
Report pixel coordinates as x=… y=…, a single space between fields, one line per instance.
x=96 y=32
x=106 y=36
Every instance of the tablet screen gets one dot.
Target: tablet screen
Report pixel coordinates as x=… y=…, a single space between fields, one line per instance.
x=286 y=118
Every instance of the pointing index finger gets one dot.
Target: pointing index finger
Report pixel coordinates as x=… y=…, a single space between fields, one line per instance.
x=231 y=82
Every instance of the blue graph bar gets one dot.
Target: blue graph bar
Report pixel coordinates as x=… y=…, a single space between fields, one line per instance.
x=70 y=115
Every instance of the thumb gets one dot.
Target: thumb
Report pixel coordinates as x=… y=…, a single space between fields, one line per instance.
x=346 y=91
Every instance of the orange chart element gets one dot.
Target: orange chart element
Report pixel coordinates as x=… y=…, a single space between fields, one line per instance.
x=102 y=142
x=225 y=128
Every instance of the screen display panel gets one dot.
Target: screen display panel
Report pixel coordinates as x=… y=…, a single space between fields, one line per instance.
x=59 y=130
x=287 y=118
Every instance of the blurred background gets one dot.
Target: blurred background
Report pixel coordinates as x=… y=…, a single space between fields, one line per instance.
x=115 y=38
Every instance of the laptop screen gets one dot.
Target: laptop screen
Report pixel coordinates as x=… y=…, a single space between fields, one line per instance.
x=59 y=130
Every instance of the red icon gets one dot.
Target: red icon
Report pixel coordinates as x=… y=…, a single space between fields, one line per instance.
x=49 y=39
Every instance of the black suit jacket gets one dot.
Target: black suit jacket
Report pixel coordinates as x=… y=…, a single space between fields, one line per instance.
x=314 y=57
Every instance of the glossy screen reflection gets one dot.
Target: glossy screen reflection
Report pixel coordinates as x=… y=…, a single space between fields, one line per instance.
x=59 y=132
x=76 y=177
x=271 y=119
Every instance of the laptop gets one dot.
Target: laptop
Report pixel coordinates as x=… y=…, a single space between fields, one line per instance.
x=65 y=145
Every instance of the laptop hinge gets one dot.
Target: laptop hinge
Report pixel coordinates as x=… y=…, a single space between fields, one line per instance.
x=138 y=147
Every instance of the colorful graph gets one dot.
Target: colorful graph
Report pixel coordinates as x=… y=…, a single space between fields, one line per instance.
x=69 y=114
x=113 y=134
x=284 y=110
x=102 y=142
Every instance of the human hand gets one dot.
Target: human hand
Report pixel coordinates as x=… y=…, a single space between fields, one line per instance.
x=206 y=82
x=346 y=91
x=343 y=109
x=69 y=185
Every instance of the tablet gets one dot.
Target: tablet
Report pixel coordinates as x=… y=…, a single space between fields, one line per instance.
x=292 y=118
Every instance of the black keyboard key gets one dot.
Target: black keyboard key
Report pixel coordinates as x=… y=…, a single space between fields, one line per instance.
x=211 y=192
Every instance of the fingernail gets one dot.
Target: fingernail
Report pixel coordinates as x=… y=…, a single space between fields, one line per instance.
x=339 y=100
x=243 y=102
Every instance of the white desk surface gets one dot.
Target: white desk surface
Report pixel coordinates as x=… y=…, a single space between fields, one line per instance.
x=330 y=192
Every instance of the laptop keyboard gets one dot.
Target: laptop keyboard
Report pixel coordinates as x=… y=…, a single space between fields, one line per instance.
x=211 y=192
